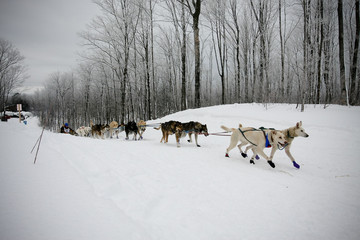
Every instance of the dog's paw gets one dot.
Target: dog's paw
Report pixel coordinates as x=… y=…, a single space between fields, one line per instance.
x=271 y=164
x=296 y=165
x=252 y=161
x=244 y=155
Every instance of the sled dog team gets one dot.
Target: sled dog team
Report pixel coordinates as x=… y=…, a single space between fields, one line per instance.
x=99 y=130
x=254 y=139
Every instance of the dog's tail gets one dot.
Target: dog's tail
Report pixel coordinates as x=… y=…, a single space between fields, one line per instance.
x=91 y=123
x=157 y=128
x=227 y=129
x=230 y=129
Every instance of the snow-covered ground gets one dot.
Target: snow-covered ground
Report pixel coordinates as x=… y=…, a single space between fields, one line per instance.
x=85 y=188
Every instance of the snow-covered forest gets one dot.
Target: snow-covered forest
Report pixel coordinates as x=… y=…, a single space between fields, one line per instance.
x=143 y=59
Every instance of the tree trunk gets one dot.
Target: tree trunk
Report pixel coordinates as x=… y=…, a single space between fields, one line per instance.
x=183 y=58
x=343 y=97
x=320 y=46
x=354 y=62
x=282 y=54
x=197 y=61
x=195 y=13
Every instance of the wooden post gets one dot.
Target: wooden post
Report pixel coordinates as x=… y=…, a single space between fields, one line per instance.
x=19 y=108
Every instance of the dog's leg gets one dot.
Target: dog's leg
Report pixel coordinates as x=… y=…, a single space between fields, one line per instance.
x=273 y=150
x=163 y=137
x=231 y=146
x=196 y=138
x=254 y=154
x=166 y=137
x=287 y=150
x=270 y=162
x=240 y=146
x=247 y=149
x=177 y=139
x=233 y=141
x=190 y=138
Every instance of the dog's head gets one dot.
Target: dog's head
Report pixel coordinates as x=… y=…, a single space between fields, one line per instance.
x=204 y=130
x=104 y=128
x=300 y=131
x=142 y=125
x=113 y=124
x=178 y=128
x=278 y=138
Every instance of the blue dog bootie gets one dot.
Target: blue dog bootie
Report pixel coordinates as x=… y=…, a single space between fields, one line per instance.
x=296 y=165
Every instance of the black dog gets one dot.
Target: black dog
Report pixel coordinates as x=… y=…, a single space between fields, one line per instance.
x=131 y=127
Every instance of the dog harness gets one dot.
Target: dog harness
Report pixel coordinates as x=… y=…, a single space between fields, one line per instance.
x=267 y=142
x=243 y=133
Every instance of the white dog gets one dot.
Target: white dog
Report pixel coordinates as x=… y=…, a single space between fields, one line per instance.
x=83 y=131
x=259 y=139
x=290 y=134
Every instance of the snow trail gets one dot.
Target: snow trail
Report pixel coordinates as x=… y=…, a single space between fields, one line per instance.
x=85 y=188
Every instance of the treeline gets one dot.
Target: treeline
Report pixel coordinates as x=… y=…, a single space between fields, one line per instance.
x=144 y=59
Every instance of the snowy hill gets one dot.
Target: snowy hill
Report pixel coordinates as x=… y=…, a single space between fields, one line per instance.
x=85 y=188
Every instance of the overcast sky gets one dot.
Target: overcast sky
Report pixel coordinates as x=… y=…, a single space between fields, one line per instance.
x=46 y=33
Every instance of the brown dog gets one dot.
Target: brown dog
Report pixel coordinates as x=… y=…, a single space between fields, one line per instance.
x=169 y=128
x=98 y=129
x=141 y=128
x=113 y=128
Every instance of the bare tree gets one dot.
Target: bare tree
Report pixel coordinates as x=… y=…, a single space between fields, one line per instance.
x=195 y=10
x=234 y=30
x=343 y=95
x=354 y=58
x=262 y=13
x=183 y=58
x=86 y=75
x=246 y=53
x=111 y=36
x=320 y=41
x=179 y=21
x=328 y=49
x=218 y=29
x=12 y=71
x=282 y=50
